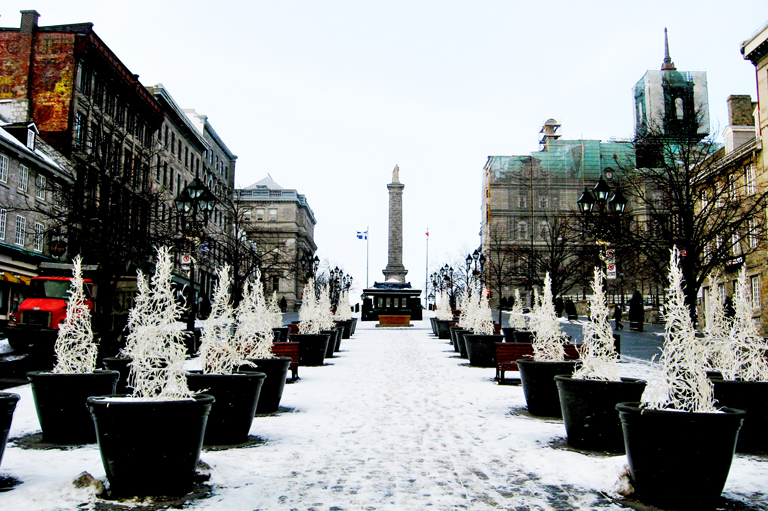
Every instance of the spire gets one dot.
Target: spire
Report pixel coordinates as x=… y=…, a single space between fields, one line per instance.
x=668 y=65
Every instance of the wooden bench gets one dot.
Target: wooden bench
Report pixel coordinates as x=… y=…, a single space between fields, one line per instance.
x=508 y=352
x=288 y=349
x=394 y=320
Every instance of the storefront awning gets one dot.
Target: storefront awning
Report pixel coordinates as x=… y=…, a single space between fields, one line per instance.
x=14 y=278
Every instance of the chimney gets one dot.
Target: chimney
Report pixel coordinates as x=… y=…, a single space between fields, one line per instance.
x=29 y=22
x=740 y=111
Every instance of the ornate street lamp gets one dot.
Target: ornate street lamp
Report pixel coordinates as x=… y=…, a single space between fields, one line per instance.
x=193 y=204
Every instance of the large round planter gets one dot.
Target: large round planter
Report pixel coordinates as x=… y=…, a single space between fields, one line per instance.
x=679 y=458
x=236 y=396
x=347 y=325
x=589 y=410
x=752 y=397
x=7 y=406
x=123 y=366
x=150 y=447
x=539 y=387
x=331 y=346
x=481 y=349
x=276 y=370
x=443 y=329
x=461 y=342
x=60 y=400
x=281 y=333
x=339 y=337
x=452 y=332
x=312 y=348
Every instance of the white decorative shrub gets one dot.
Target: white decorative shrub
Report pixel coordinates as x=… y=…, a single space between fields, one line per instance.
x=599 y=360
x=254 y=322
x=274 y=312
x=718 y=326
x=468 y=304
x=324 y=312
x=743 y=355
x=155 y=342
x=75 y=348
x=547 y=338
x=444 y=312
x=680 y=381
x=308 y=311
x=343 y=309
x=218 y=351
x=516 y=318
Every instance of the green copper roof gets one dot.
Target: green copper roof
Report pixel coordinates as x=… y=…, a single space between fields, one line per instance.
x=566 y=159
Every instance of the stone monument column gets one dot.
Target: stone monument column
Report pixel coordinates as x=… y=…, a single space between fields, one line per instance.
x=395 y=269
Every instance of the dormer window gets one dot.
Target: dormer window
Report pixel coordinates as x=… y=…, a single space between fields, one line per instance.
x=31 y=139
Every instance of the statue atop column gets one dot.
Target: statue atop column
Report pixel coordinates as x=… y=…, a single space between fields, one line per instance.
x=395 y=271
x=396 y=174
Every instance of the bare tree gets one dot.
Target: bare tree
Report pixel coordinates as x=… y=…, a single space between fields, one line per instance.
x=687 y=195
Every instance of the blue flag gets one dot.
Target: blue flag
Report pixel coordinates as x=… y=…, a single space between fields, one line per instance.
x=362 y=235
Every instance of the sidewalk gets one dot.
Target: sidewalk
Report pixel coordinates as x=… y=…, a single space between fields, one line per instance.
x=395 y=421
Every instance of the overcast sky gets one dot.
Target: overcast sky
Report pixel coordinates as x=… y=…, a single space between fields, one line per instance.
x=328 y=96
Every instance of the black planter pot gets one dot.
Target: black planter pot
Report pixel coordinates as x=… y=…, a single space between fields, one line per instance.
x=347 y=325
x=508 y=333
x=60 y=400
x=461 y=342
x=433 y=324
x=523 y=336
x=123 y=366
x=276 y=370
x=443 y=328
x=150 y=447
x=312 y=348
x=281 y=334
x=752 y=397
x=589 y=410
x=452 y=332
x=354 y=325
x=7 y=406
x=236 y=396
x=539 y=387
x=339 y=337
x=481 y=349
x=331 y=346
x=679 y=459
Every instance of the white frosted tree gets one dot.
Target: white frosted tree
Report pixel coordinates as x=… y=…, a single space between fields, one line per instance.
x=76 y=350
x=324 y=311
x=444 y=312
x=718 y=325
x=155 y=342
x=218 y=350
x=343 y=309
x=274 y=312
x=254 y=322
x=469 y=302
x=599 y=360
x=547 y=338
x=680 y=380
x=516 y=318
x=743 y=355
x=308 y=311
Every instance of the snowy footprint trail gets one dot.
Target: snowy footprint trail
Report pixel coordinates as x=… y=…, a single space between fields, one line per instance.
x=398 y=421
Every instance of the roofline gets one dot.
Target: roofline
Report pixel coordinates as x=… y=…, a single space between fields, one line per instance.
x=178 y=112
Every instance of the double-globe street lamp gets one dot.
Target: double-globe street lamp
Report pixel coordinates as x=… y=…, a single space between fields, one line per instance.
x=193 y=204
x=478 y=258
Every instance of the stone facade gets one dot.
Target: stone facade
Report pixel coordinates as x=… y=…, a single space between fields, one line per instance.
x=281 y=224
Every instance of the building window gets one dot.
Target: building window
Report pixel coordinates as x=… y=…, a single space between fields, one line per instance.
x=23 y=178
x=21 y=225
x=3 y=168
x=79 y=130
x=275 y=284
x=260 y=214
x=38 y=243
x=272 y=215
x=543 y=229
x=753 y=227
x=735 y=244
x=40 y=187
x=522 y=202
x=755 y=281
x=543 y=202
x=749 y=176
x=3 y=218
x=522 y=230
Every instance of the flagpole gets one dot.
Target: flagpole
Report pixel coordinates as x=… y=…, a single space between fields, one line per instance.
x=426 y=275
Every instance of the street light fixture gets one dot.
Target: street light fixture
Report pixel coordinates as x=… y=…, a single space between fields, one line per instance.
x=193 y=200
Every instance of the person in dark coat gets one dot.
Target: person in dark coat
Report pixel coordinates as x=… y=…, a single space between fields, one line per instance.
x=617 y=317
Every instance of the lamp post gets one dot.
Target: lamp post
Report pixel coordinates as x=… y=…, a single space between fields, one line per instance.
x=605 y=218
x=192 y=203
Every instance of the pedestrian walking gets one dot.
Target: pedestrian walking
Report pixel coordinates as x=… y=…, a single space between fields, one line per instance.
x=617 y=317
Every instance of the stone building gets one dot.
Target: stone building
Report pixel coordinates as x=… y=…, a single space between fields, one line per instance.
x=524 y=195
x=31 y=177
x=281 y=224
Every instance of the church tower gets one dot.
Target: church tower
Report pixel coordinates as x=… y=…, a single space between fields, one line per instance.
x=672 y=102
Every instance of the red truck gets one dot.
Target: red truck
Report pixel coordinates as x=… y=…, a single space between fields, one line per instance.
x=42 y=312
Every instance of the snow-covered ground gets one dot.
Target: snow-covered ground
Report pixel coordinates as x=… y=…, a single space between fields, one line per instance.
x=395 y=421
